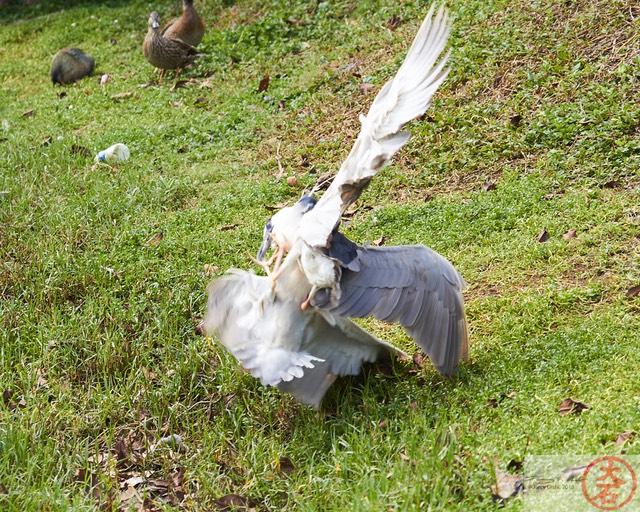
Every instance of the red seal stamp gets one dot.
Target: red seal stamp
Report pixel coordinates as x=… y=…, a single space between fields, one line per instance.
x=609 y=483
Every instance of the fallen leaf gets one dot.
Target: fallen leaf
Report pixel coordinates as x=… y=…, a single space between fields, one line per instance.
x=6 y=396
x=403 y=457
x=177 y=104
x=418 y=359
x=515 y=121
x=569 y=234
x=80 y=150
x=413 y=405
x=624 y=437
x=285 y=465
x=292 y=181
x=383 y=423
x=206 y=83
x=104 y=79
x=513 y=394
x=612 y=184
x=571 y=406
x=200 y=99
x=46 y=140
x=507 y=485
x=28 y=113
x=572 y=473
x=380 y=241
x=365 y=87
x=121 y=95
x=543 y=236
x=233 y=502
x=633 y=291
x=492 y=402
x=393 y=22
x=210 y=269
x=275 y=207
x=178 y=85
x=295 y=22
x=281 y=105
x=489 y=186
x=154 y=240
x=227 y=227
x=264 y=83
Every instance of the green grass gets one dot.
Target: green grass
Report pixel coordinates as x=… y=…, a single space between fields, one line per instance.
x=98 y=356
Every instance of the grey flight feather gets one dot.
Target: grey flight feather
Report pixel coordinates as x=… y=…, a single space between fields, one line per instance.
x=415 y=287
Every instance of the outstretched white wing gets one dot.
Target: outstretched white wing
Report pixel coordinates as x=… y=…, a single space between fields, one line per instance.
x=402 y=99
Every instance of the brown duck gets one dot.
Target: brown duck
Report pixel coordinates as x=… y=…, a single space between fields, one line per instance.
x=188 y=27
x=165 y=53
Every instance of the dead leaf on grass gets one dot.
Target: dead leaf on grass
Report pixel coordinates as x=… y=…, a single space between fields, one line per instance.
x=612 y=184
x=234 y=502
x=543 y=236
x=28 y=113
x=292 y=181
x=154 y=240
x=80 y=150
x=625 y=436
x=492 y=402
x=365 y=87
x=178 y=85
x=393 y=22
x=507 y=485
x=569 y=235
x=381 y=241
x=418 y=359
x=489 y=186
x=571 y=406
x=285 y=465
x=200 y=99
x=295 y=22
x=275 y=207
x=264 y=83
x=227 y=227
x=405 y=458
x=46 y=140
x=515 y=121
x=633 y=291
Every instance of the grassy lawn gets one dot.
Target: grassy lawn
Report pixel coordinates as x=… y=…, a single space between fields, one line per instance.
x=103 y=268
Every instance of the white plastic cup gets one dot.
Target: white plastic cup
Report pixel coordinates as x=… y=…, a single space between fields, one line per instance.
x=116 y=153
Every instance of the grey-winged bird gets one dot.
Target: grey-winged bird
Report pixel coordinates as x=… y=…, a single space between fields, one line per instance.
x=291 y=328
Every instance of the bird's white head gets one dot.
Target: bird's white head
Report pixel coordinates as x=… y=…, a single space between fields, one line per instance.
x=283 y=226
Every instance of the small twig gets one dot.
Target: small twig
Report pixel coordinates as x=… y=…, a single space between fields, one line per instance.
x=279 y=160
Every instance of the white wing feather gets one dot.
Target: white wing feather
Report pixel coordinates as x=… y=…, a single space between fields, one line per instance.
x=402 y=99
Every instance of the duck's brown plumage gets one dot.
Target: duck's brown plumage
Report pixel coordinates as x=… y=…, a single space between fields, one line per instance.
x=188 y=28
x=163 y=52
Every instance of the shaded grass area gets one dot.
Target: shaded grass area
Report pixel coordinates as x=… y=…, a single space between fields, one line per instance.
x=536 y=128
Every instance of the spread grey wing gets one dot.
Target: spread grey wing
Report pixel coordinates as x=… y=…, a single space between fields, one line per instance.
x=415 y=287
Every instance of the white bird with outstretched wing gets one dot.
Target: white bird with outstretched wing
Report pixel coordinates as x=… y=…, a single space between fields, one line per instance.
x=292 y=329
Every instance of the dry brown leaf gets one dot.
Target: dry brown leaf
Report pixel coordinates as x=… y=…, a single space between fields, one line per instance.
x=234 y=502
x=178 y=85
x=285 y=465
x=624 y=437
x=200 y=99
x=383 y=423
x=515 y=121
x=489 y=186
x=381 y=241
x=507 y=485
x=80 y=150
x=292 y=181
x=571 y=406
x=295 y=22
x=405 y=458
x=492 y=402
x=121 y=95
x=418 y=359
x=28 y=113
x=210 y=269
x=543 y=236
x=633 y=291
x=569 y=234
x=365 y=87
x=154 y=240
x=612 y=184
x=393 y=22
x=264 y=83
x=46 y=140
x=227 y=227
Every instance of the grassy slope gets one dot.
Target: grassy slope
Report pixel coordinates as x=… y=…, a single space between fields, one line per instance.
x=96 y=328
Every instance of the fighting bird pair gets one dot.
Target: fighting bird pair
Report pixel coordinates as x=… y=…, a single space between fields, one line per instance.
x=291 y=328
